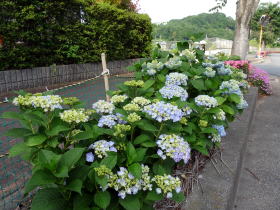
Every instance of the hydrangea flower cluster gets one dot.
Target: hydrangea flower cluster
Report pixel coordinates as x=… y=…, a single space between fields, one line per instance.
x=111 y=120
x=47 y=103
x=101 y=148
x=146 y=179
x=187 y=110
x=173 y=146
x=133 y=117
x=74 y=116
x=206 y=101
x=232 y=86
x=103 y=107
x=224 y=71
x=242 y=104
x=155 y=64
x=125 y=183
x=120 y=130
x=141 y=101
x=171 y=91
x=221 y=115
x=176 y=78
x=134 y=83
x=118 y=98
x=132 y=107
x=190 y=54
x=166 y=184
x=215 y=138
x=220 y=129
x=260 y=78
x=162 y=111
x=209 y=72
x=173 y=63
x=107 y=120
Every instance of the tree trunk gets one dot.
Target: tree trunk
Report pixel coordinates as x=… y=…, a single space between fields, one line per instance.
x=244 y=11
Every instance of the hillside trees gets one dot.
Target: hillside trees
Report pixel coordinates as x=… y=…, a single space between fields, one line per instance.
x=196 y=27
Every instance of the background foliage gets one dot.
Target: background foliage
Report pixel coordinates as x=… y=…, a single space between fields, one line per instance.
x=41 y=33
x=272 y=30
x=196 y=27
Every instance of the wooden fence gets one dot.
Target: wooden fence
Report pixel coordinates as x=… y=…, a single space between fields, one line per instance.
x=12 y=80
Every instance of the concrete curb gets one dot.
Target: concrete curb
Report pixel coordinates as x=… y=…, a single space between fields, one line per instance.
x=219 y=190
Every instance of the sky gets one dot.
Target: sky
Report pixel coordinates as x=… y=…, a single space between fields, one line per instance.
x=165 y=10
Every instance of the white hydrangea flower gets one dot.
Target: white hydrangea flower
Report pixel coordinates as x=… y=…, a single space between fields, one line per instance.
x=103 y=107
x=74 y=116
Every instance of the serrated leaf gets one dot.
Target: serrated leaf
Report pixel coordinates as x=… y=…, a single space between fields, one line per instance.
x=49 y=199
x=136 y=170
x=39 y=178
x=228 y=109
x=131 y=153
x=18 y=149
x=198 y=84
x=35 y=140
x=18 y=132
x=153 y=196
x=12 y=115
x=57 y=129
x=141 y=152
x=146 y=125
x=75 y=186
x=68 y=160
x=141 y=138
x=102 y=199
x=130 y=203
x=235 y=98
x=110 y=161
x=220 y=100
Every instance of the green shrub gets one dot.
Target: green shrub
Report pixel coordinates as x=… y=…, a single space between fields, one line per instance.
x=42 y=33
x=120 y=155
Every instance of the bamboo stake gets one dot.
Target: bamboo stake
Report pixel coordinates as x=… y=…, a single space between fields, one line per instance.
x=105 y=76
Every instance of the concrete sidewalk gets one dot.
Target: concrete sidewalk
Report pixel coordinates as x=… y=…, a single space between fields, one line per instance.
x=252 y=152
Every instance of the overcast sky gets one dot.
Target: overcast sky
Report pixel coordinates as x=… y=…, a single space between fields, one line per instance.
x=165 y=10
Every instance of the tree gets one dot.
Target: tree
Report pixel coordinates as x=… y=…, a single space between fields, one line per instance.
x=245 y=10
x=272 y=30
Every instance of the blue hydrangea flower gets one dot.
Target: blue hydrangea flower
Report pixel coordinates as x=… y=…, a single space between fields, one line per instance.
x=173 y=146
x=171 y=91
x=224 y=71
x=101 y=148
x=220 y=129
x=107 y=120
x=90 y=157
x=162 y=111
x=232 y=86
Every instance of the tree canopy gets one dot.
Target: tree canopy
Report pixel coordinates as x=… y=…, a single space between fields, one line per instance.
x=272 y=30
x=196 y=27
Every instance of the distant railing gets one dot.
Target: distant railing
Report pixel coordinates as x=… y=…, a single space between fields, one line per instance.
x=12 y=80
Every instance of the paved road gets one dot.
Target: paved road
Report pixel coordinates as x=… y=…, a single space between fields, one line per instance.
x=259 y=185
x=271 y=64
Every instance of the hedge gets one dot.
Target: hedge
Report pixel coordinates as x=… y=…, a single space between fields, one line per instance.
x=42 y=33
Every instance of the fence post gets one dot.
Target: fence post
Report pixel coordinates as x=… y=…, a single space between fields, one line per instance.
x=105 y=73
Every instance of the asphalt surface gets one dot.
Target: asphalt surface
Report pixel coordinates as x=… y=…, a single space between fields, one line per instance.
x=271 y=64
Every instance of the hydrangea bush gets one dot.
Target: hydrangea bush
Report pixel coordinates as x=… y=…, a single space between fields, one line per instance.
x=120 y=154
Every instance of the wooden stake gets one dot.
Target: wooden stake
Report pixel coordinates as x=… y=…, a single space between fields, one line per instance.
x=105 y=75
